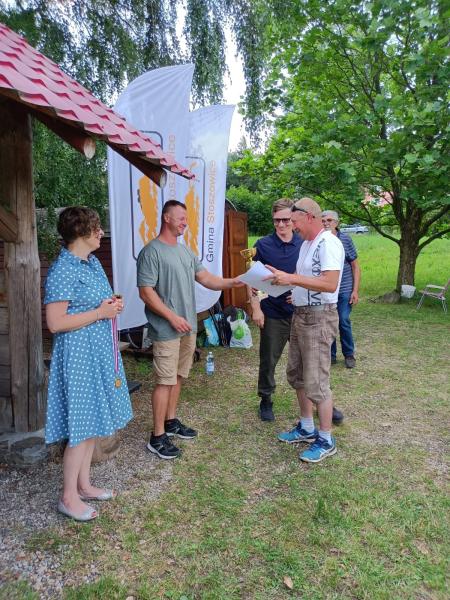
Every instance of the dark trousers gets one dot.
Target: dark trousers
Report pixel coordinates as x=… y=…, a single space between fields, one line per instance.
x=345 y=327
x=273 y=338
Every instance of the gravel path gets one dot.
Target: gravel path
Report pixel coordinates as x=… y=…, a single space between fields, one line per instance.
x=28 y=507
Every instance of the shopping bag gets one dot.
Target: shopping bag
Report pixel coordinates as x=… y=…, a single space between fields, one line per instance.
x=241 y=336
x=212 y=336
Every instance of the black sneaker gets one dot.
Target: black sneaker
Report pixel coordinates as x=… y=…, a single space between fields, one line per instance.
x=266 y=410
x=338 y=416
x=175 y=427
x=333 y=360
x=163 y=447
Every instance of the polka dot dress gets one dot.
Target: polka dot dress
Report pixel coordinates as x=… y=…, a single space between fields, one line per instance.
x=83 y=401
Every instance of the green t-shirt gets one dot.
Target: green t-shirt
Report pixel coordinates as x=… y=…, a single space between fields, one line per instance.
x=171 y=271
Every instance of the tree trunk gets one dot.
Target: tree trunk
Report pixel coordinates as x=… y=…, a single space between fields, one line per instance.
x=409 y=251
x=22 y=269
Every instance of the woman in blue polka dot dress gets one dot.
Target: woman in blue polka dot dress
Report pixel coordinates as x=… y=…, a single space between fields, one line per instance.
x=88 y=393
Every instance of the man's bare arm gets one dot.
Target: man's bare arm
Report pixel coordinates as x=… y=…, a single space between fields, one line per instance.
x=213 y=282
x=155 y=304
x=327 y=281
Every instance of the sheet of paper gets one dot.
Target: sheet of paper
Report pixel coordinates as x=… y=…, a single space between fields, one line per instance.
x=254 y=278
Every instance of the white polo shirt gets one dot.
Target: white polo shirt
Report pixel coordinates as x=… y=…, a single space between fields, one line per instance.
x=324 y=253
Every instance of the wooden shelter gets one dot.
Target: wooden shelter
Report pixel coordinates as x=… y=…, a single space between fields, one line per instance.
x=31 y=85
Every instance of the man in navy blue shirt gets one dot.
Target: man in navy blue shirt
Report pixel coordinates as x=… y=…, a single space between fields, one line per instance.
x=273 y=315
x=348 y=290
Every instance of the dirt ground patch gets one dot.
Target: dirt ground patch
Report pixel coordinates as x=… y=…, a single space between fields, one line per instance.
x=238 y=512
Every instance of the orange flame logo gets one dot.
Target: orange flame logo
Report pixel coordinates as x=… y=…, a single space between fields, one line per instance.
x=148 y=199
x=192 y=202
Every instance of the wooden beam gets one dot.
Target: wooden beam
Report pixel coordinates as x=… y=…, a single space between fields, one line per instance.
x=74 y=136
x=5 y=352
x=152 y=171
x=22 y=269
x=4 y=320
x=8 y=225
x=6 y=416
x=3 y=302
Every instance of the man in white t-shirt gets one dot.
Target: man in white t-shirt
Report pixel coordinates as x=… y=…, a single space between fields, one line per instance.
x=313 y=329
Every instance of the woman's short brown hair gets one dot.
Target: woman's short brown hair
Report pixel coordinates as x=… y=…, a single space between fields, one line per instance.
x=77 y=221
x=281 y=204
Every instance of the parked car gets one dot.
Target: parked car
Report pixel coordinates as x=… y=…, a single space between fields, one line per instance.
x=355 y=228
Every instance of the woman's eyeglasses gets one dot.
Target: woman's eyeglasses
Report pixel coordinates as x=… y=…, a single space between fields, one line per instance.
x=327 y=220
x=279 y=221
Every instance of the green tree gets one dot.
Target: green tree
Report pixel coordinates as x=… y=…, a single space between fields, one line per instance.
x=256 y=206
x=104 y=44
x=245 y=191
x=363 y=90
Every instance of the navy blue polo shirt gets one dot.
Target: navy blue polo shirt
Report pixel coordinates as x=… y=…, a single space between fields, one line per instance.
x=271 y=250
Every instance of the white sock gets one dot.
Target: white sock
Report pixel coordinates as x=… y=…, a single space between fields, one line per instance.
x=325 y=435
x=307 y=423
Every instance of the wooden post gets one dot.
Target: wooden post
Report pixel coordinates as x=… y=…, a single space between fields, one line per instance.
x=6 y=415
x=8 y=225
x=22 y=269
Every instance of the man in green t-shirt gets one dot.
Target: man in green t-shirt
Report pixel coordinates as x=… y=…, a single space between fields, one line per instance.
x=166 y=272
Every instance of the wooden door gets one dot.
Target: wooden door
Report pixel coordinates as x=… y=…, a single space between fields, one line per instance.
x=235 y=240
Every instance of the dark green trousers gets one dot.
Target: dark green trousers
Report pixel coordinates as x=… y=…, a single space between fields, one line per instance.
x=273 y=338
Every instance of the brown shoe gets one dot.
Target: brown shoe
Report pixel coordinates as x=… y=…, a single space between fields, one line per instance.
x=350 y=362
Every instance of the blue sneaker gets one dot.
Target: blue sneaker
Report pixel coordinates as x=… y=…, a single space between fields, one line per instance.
x=296 y=435
x=319 y=450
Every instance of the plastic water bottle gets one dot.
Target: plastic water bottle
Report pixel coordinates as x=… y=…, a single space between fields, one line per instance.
x=209 y=367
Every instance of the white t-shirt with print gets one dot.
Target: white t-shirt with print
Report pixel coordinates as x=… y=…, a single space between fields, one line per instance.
x=324 y=253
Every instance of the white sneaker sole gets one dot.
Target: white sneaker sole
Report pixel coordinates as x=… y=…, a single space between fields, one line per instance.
x=182 y=437
x=155 y=451
x=305 y=441
x=309 y=460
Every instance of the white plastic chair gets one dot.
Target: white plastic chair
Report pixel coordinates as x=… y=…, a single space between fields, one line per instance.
x=437 y=295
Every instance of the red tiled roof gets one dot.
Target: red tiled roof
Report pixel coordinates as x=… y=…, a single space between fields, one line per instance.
x=381 y=199
x=34 y=80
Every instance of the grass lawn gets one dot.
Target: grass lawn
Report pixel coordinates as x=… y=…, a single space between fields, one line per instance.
x=242 y=518
x=379 y=258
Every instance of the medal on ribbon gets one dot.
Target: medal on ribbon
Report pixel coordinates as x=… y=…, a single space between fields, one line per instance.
x=115 y=338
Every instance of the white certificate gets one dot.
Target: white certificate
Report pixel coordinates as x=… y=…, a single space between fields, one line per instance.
x=254 y=278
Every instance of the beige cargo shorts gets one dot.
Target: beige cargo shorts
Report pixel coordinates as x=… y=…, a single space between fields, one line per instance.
x=309 y=359
x=172 y=358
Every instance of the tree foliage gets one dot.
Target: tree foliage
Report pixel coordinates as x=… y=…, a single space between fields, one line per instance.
x=363 y=92
x=356 y=93
x=255 y=205
x=246 y=193
x=104 y=44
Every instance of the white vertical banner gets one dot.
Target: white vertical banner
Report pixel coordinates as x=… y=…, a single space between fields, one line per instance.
x=157 y=103
x=205 y=197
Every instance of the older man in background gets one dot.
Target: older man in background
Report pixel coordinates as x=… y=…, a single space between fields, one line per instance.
x=348 y=290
